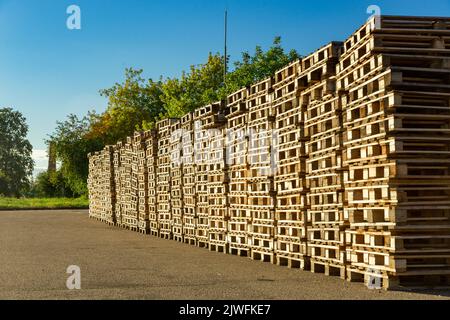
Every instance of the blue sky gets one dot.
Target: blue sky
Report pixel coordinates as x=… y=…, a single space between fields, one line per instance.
x=48 y=71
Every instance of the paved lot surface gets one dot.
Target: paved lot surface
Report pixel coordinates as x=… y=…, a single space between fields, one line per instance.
x=36 y=247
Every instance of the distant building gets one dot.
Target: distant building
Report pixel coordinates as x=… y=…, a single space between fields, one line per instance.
x=51 y=157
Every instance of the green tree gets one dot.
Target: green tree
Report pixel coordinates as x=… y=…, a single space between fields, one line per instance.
x=51 y=185
x=199 y=87
x=259 y=66
x=16 y=163
x=130 y=104
x=137 y=104
x=73 y=141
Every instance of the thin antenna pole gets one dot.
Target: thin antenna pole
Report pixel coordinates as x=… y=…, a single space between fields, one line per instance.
x=225 y=71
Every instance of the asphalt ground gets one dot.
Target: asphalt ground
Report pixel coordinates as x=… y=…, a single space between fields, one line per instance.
x=37 y=247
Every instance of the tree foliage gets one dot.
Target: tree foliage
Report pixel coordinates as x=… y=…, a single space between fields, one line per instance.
x=204 y=84
x=51 y=185
x=73 y=141
x=16 y=163
x=254 y=68
x=199 y=87
x=129 y=105
x=137 y=104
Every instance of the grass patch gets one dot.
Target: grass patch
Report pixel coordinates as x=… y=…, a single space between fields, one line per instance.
x=43 y=203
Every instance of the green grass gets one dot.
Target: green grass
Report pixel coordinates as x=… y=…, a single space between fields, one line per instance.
x=43 y=203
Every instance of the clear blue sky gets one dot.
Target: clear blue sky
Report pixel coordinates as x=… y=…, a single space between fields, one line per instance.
x=48 y=71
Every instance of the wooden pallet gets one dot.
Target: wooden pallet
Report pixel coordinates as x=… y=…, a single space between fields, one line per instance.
x=202 y=241
x=238 y=211
x=237 y=250
x=262 y=88
x=262 y=255
x=236 y=103
x=327 y=216
x=294 y=201
x=261 y=241
x=287 y=74
x=286 y=90
x=328 y=268
x=386 y=218
x=409 y=44
x=292 y=261
x=293 y=230
x=327 y=251
x=376 y=280
x=291 y=245
x=190 y=240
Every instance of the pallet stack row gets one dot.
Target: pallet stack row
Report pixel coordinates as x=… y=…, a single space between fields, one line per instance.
x=95 y=185
x=394 y=80
x=130 y=194
x=290 y=178
x=143 y=218
x=103 y=199
x=176 y=180
x=109 y=190
x=117 y=183
x=125 y=180
x=262 y=162
x=237 y=142
x=163 y=179
x=201 y=157
x=189 y=178
x=338 y=164
x=151 y=154
x=131 y=218
x=218 y=188
x=323 y=123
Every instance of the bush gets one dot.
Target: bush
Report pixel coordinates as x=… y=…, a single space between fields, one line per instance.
x=52 y=185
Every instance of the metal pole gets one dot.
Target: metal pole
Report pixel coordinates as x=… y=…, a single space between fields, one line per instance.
x=226 y=53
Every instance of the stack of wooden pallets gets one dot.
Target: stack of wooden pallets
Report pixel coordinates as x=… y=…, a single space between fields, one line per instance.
x=211 y=169
x=118 y=184
x=189 y=186
x=151 y=152
x=131 y=218
x=130 y=199
x=108 y=196
x=339 y=163
x=163 y=179
x=176 y=180
x=261 y=184
x=142 y=177
x=237 y=142
x=125 y=181
x=218 y=215
x=102 y=181
x=394 y=77
x=326 y=243
x=290 y=178
x=95 y=185
x=201 y=157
